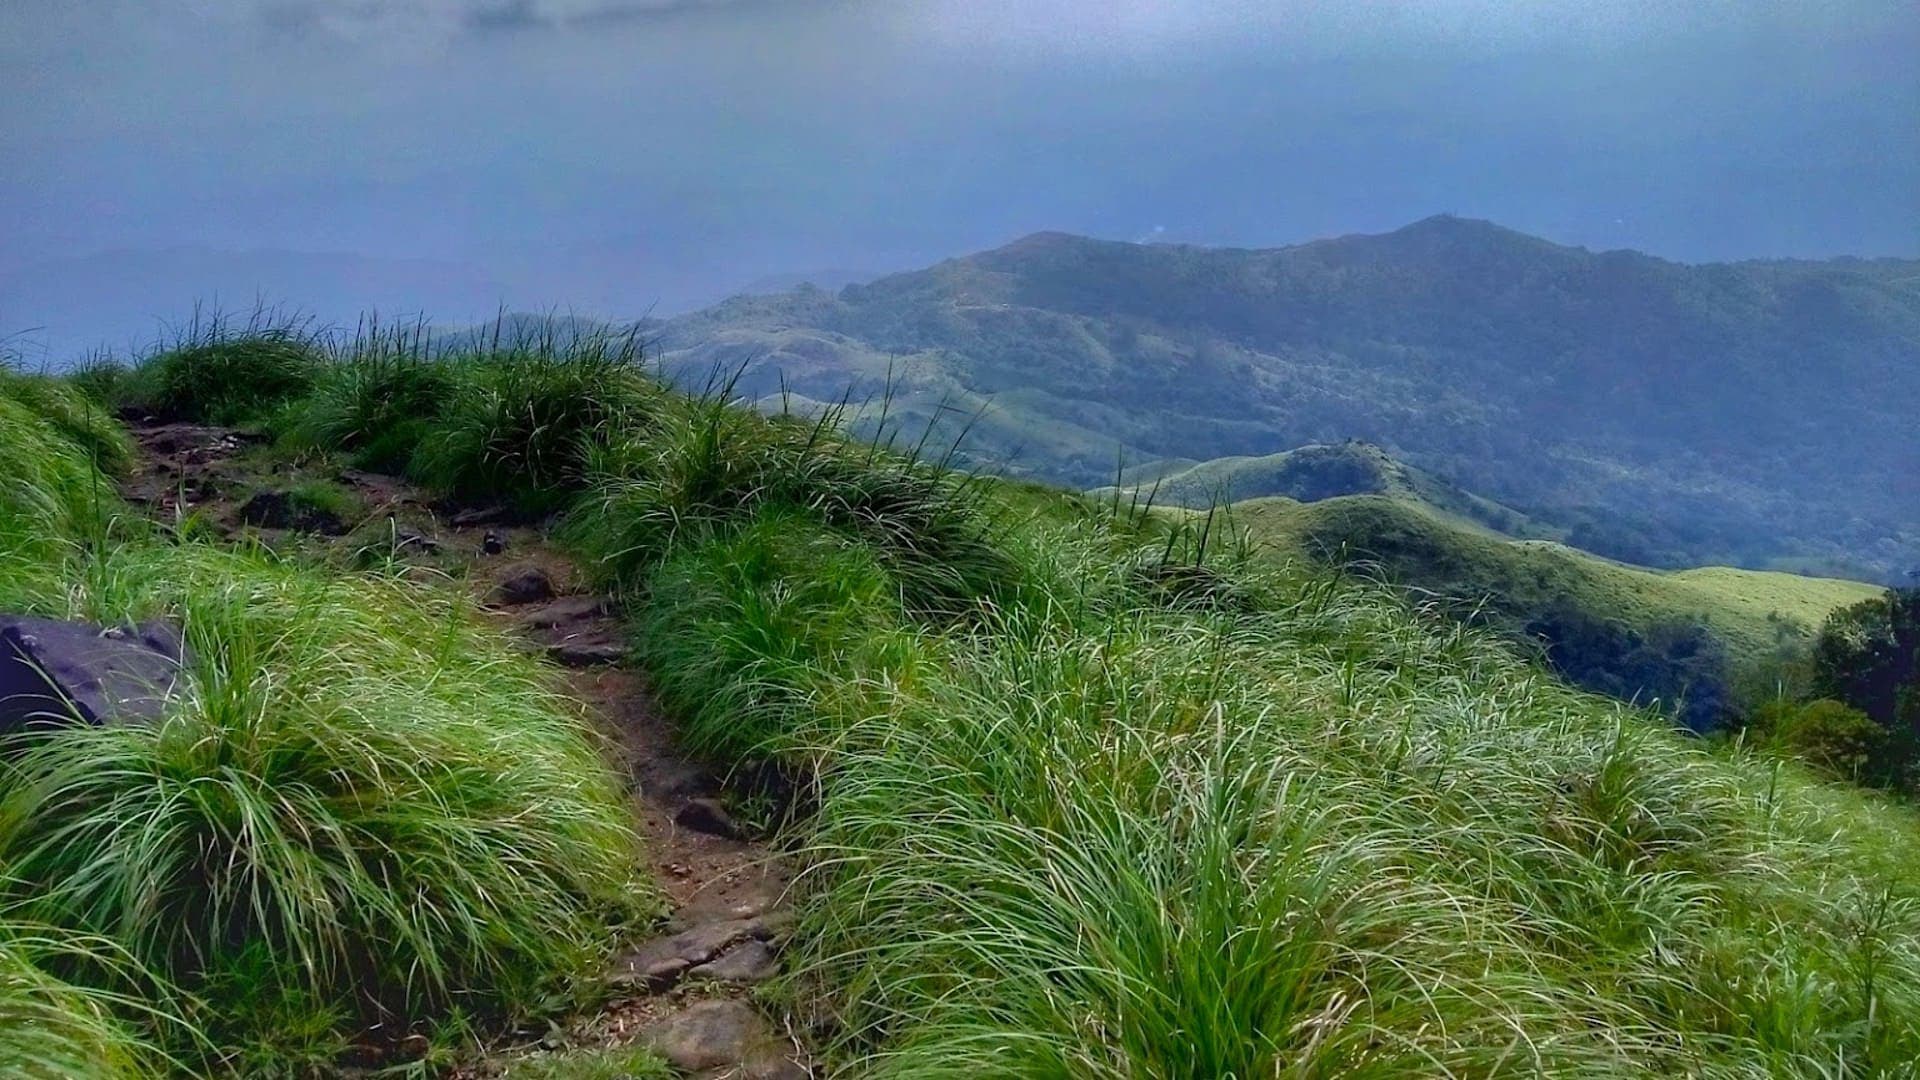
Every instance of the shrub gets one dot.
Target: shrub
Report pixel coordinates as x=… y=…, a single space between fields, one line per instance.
x=1834 y=738
x=362 y=806
x=217 y=372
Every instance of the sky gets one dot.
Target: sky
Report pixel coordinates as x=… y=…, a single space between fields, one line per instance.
x=626 y=157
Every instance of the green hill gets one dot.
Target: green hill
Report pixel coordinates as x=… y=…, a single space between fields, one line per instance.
x=1313 y=473
x=1530 y=590
x=1755 y=414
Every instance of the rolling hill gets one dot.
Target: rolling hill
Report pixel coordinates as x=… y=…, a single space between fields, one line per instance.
x=1627 y=631
x=1313 y=473
x=1757 y=414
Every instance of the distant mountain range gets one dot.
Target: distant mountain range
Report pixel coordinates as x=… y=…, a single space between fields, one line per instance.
x=1761 y=413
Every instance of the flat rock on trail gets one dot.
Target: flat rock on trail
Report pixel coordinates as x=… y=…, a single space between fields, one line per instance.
x=680 y=993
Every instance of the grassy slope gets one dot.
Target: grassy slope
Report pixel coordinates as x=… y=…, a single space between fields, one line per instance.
x=1092 y=804
x=1314 y=473
x=362 y=805
x=1753 y=612
x=1099 y=799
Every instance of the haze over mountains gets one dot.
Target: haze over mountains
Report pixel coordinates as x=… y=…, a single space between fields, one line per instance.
x=1756 y=413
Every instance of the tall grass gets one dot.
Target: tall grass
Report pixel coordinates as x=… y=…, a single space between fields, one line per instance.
x=1160 y=812
x=362 y=806
x=704 y=462
x=81 y=419
x=54 y=1030
x=52 y=497
x=377 y=401
x=526 y=413
x=222 y=370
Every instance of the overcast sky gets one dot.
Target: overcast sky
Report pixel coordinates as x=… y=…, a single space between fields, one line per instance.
x=620 y=156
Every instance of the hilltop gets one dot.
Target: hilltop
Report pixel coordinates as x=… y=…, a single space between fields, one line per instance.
x=1312 y=473
x=1757 y=414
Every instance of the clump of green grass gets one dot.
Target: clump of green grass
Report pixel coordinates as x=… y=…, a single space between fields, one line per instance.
x=378 y=401
x=362 y=806
x=705 y=463
x=53 y=500
x=327 y=497
x=54 y=1030
x=525 y=417
x=103 y=379
x=222 y=371
x=85 y=422
x=739 y=629
x=613 y=1063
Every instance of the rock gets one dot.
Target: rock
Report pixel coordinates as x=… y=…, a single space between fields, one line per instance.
x=479 y=515
x=707 y=816
x=722 y=1035
x=659 y=963
x=54 y=672
x=585 y=653
x=523 y=584
x=280 y=510
x=405 y=540
x=747 y=963
x=565 y=610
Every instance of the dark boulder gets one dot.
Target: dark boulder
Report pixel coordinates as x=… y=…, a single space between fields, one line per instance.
x=55 y=673
x=283 y=510
x=523 y=584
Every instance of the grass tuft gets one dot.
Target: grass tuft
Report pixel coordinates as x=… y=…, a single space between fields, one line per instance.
x=55 y=1030
x=379 y=400
x=706 y=463
x=524 y=418
x=362 y=806
x=76 y=416
x=221 y=371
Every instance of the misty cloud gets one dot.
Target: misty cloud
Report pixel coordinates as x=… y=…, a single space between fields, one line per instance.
x=625 y=155
x=442 y=19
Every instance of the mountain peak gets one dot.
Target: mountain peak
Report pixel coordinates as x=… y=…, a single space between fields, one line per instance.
x=1046 y=240
x=1450 y=228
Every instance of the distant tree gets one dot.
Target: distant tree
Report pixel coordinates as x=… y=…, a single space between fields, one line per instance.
x=1868 y=656
x=1831 y=736
x=1679 y=666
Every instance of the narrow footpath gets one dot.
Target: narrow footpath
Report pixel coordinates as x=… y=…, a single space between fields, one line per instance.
x=686 y=993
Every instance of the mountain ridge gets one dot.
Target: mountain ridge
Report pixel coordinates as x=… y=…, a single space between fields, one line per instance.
x=1753 y=413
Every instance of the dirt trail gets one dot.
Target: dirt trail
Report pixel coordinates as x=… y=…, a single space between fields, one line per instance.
x=684 y=992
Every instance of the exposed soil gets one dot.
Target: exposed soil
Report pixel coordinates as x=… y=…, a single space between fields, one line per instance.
x=686 y=992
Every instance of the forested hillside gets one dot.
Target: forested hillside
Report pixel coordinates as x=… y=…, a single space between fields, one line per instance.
x=1756 y=413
